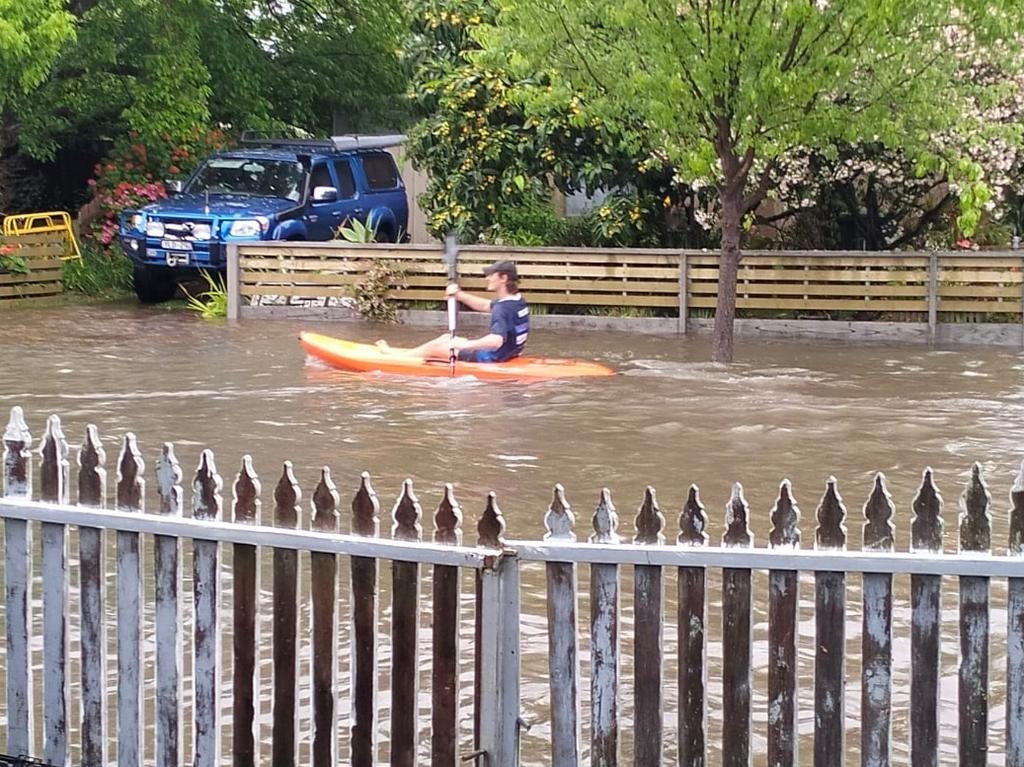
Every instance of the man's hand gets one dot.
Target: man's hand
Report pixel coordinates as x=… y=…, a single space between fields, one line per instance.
x=451 y=290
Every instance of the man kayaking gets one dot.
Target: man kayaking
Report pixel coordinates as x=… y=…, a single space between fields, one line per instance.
x=510 y=321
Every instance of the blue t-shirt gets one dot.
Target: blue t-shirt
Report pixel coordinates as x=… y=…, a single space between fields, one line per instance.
x=510 y=319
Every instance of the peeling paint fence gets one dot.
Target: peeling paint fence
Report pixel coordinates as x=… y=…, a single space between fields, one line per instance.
x=496 y=562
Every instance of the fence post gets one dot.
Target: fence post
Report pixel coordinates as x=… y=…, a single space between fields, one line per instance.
x=207 y=503
x=684 y=292
x=1015 y=632
x=234 y=282
x=499 y=682
x=933 y=295
x=18 y=545
x=56 y=700
x=563 y=637
x=1022 y=304
x=497 y=666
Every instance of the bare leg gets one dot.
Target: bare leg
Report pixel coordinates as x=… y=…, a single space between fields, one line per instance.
x=436 y=349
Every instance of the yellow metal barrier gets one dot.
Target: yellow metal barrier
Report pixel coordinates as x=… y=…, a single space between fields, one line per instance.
x=37 y=223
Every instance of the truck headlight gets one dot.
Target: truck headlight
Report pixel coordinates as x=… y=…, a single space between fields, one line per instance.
x=202 y=231
x=138 y=221
x=249 y=227
x=154 y=229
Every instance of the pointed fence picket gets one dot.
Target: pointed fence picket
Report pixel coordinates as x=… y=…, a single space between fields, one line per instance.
x=497 y=561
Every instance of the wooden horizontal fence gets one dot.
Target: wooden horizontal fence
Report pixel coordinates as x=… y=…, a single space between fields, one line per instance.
x=926 y=287
x=43 y=257
x=656 y=557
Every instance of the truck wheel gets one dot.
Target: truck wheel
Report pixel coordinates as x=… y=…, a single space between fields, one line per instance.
x=153 y=285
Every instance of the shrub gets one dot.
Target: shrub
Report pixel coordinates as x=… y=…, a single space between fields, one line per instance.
x=99 y=272
x=11 y=262
x=371 y=295
x=212 y=302
x=532 y=224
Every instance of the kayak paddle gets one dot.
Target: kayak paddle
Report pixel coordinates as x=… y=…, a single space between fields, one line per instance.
x=451 y=258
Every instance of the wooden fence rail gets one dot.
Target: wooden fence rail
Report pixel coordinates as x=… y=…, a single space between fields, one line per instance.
x=497 y=560
x=926 y=286
x=38 y=266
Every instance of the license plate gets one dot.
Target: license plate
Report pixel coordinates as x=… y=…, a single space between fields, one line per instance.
x=175 y=245
x=177 y=259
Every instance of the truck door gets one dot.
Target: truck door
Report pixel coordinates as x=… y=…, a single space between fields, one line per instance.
x=350 y=203
x=322 y=217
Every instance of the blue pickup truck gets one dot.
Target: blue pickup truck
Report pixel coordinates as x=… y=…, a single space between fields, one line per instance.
x=268 y=189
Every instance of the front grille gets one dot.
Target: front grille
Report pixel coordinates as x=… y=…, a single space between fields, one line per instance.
x=185 y=230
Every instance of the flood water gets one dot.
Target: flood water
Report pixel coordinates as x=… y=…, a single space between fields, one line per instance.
x=798 y=410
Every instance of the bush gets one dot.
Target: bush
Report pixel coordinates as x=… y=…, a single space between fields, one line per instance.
x=212 y=303
x=371 y=295
x=98 y=272
x=621 y=221
x=533 y=224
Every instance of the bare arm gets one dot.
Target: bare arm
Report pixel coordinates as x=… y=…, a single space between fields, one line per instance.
x=489 y=342
x=476 y=303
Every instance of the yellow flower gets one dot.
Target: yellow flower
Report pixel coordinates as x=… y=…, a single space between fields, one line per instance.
x=667 y=201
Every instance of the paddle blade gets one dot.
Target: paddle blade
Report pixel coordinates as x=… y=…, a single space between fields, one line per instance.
x=451 y=257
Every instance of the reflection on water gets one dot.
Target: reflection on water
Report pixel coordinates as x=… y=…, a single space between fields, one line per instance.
x=787 y=410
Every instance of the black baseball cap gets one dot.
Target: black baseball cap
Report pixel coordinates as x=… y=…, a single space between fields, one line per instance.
x=502 y=267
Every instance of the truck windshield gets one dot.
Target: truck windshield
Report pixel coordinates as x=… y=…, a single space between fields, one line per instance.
x=260 y=178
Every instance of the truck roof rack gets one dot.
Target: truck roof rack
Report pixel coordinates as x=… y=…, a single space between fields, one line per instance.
x=346 y=143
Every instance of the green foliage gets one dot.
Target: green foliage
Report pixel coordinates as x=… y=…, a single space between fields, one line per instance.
x=485 y=154
x=11 y=262
x=166 y=69
x=32 y=34
x=727 y=90
x=371 y=295
x=212 y=303
x=531 y=224
x=356 y=231
x=99 y=272
x=621 y=220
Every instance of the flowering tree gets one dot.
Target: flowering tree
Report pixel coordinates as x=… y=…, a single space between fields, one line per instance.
x=730 y=90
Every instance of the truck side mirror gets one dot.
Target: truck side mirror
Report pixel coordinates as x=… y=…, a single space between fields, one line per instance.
x=325 y=194
x=174 y=186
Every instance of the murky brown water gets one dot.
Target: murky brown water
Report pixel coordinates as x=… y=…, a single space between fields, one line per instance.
x=797 y=410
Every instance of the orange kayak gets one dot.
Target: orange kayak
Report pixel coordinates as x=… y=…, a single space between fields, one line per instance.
x=349 y=355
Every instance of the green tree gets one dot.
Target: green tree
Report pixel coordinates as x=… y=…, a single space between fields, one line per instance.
x=489 y=161
x=32 y=33
x=161 y=69
x=730 y=89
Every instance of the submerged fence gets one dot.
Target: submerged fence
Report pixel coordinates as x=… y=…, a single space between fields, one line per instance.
x=925 y=286
x=496 y=562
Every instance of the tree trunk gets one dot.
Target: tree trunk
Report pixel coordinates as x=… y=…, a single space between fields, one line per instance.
x=728 y=265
